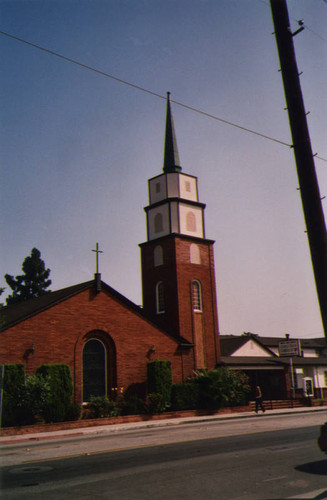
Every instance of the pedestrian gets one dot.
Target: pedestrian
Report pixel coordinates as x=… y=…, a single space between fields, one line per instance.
x=258 y=400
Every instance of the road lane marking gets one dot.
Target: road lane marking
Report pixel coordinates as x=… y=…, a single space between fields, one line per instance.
x=273 y=479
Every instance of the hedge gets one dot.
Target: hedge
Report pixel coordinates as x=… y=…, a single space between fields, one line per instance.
x=159 y=379
x=61 y=389
x=13 y=383
x=185 y=396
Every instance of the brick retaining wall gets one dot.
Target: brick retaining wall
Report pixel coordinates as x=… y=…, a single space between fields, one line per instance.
x=80 y=424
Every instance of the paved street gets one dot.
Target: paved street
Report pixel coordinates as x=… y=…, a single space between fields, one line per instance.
x=263 y=457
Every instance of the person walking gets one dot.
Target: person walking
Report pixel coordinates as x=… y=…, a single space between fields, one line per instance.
x=258 y=400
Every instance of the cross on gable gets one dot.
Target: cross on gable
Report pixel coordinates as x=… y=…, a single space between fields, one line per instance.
x=97 y=251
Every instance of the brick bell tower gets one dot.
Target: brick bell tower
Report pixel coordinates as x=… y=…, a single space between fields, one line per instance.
x=178 y=275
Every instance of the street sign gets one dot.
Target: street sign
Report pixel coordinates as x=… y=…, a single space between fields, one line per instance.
x=289 y=348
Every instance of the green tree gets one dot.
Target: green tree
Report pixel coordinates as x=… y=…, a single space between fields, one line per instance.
x=2 y=289
x=33 y=283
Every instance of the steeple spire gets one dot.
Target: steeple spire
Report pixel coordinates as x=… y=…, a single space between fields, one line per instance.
x=171 y=158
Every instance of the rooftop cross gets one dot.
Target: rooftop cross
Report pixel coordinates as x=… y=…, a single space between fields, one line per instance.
x=97 y=251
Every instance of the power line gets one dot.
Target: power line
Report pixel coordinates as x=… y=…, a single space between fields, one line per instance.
x=315 y=33
x=155 y=94
x=231 y=123
x=297 y=20
x=73 y=61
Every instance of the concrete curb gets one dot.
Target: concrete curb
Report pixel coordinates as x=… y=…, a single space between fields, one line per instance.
x=126 y=427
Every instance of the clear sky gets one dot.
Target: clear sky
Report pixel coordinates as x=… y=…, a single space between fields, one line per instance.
x=77 y=148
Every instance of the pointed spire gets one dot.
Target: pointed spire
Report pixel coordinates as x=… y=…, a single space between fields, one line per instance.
x=171 y=158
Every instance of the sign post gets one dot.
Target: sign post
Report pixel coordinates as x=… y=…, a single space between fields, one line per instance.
x=290 y=348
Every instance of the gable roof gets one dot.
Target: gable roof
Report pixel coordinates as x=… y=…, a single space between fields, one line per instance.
x=15 y=313
x=232 y=354
x=229 y=344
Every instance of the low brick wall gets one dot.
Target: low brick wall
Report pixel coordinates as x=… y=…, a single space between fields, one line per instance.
x=80 y=424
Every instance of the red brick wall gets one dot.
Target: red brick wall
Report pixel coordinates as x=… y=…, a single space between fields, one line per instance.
x=60 y=332
x=177 y=274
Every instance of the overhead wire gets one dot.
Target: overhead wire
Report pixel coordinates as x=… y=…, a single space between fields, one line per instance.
x=297 y=20
x=150 y=92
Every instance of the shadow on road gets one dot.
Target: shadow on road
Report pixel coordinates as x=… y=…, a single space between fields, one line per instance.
x=320 y=496
x=314 y=468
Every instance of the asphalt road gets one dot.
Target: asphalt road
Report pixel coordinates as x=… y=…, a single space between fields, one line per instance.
x=266 y=465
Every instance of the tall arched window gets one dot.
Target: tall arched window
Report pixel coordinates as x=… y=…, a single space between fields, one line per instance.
x=196 y=296
x=158 y=256
x=94 y=369
x=158 y=223
x=190 y=222
x=160 y=297
x=195 y=254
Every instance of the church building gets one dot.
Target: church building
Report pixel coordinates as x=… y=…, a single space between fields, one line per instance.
x=106 y=339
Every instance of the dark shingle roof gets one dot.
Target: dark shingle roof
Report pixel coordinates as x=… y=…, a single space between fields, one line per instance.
x=16 y=313
x=233 y=342
x=230 y=343
x=13 y=314
x=252 y=361
x=315 y=343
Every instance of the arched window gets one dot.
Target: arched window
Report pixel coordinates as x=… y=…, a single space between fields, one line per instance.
x=195 y=254
x=190 y=222
x=94 y=369
x=196 y=296
x=160 y=297
x=158 y=223
x=158 y=256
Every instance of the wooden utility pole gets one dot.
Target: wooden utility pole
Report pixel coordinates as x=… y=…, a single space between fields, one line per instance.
x=308 y=183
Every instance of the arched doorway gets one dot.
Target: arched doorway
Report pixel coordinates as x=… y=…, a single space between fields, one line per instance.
x=94 y=369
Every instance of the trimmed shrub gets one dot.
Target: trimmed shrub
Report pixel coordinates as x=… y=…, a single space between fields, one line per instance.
x=211 y=388
x=132 y=406
x=61 y=388
x=13 y=383
x=155 y=403
x=35 y=397
x=159 y=379
x=138 y=389
x=74 y=412
x=101 y=406
x=185 y=396
x=98 y=407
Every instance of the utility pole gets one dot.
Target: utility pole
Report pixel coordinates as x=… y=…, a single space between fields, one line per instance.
x=308 y=183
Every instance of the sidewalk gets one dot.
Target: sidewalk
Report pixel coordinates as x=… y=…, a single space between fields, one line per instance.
x=115 y=428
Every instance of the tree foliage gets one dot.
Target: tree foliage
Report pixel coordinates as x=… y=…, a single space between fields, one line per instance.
x=222 y=387
x=33 y=283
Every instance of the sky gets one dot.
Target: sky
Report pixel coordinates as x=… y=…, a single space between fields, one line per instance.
x=78 y=147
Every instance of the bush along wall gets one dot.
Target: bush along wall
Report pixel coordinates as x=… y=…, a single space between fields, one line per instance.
x=13 y=383
x=34 y=398
x=222 y=387
x=159 y=379
x=211 y=390
x=61 y=388
x=185 y=396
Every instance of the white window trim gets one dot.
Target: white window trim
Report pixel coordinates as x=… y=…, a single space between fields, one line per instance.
x=199 y=297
